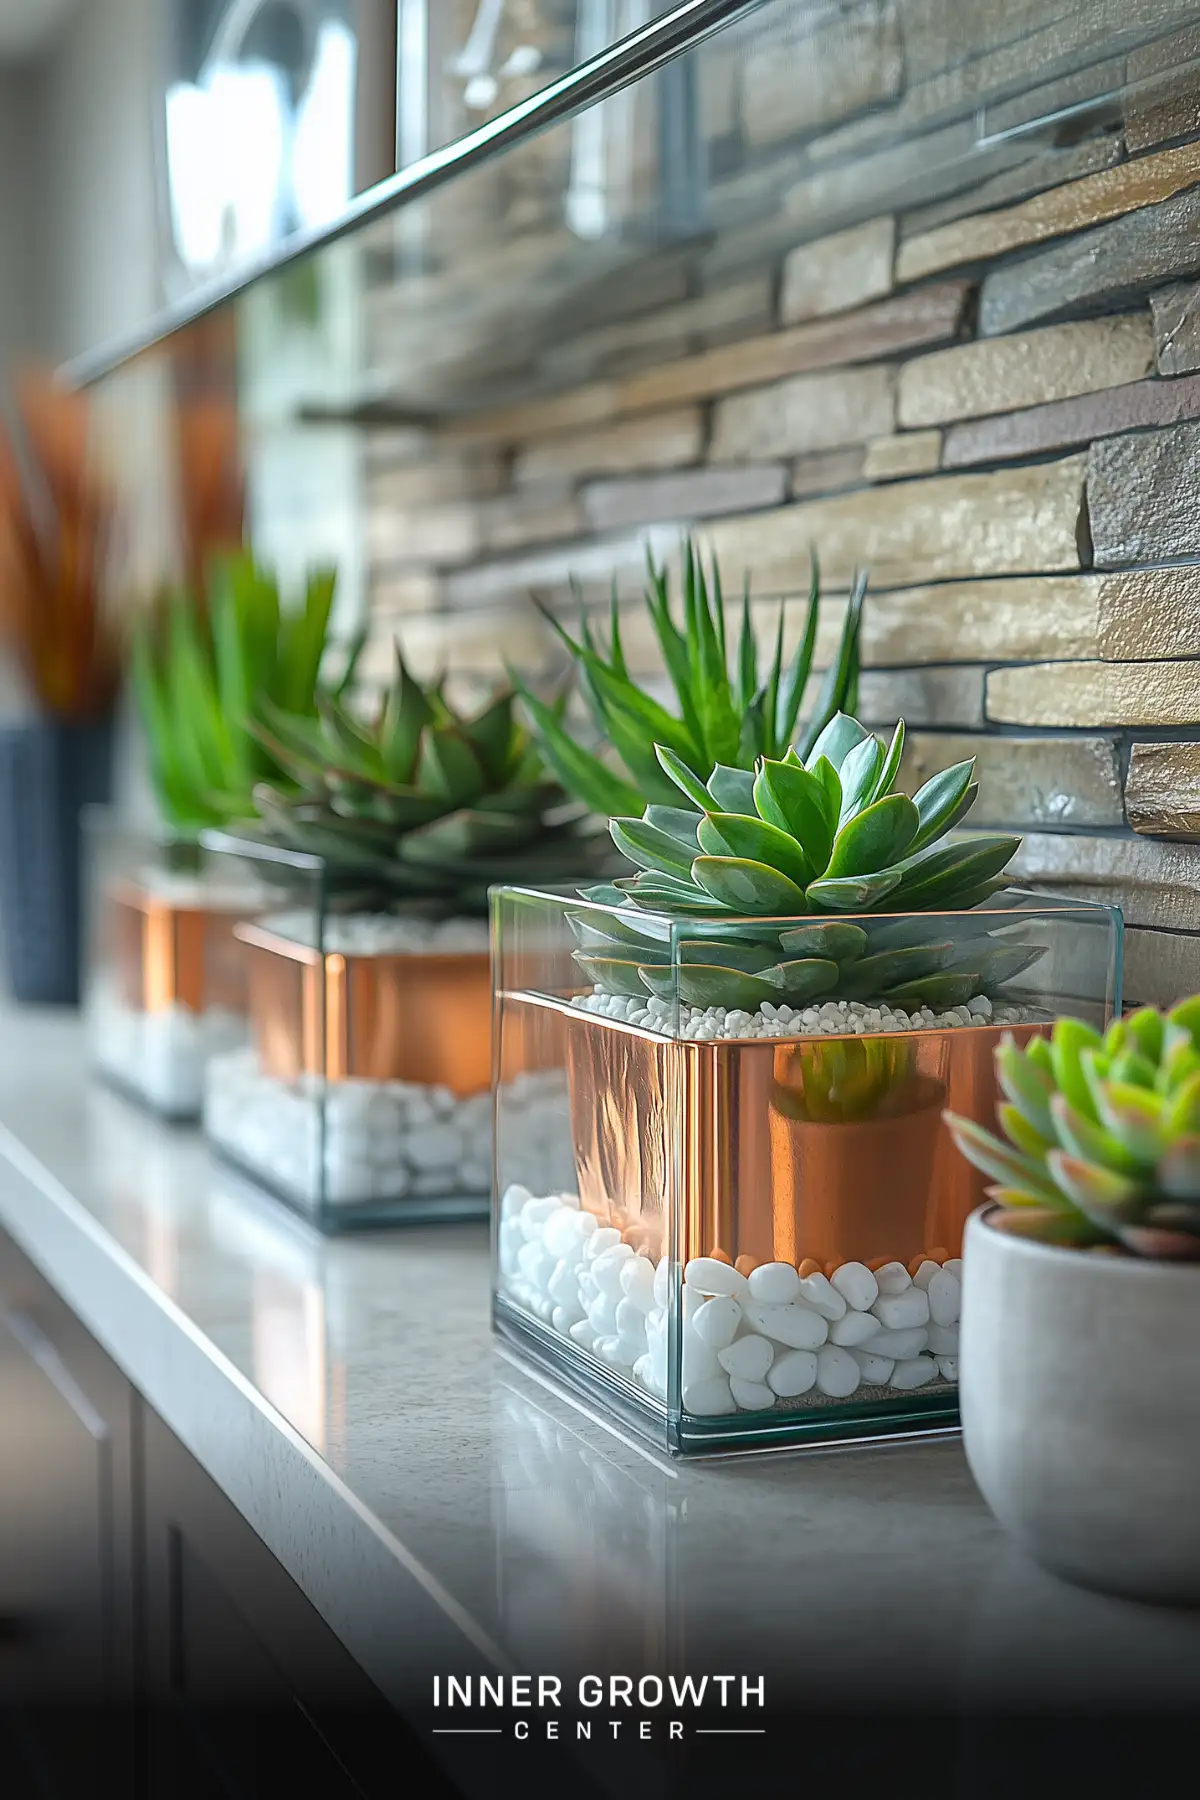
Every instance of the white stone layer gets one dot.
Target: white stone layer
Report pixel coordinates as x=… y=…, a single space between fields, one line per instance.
x=380 y=934
x=161 y=1056
x=742 y=1352
x=384 y=1141
x=827 y=1018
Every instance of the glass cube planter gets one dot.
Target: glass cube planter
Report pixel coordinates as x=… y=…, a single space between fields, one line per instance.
x=362 y=1096
x=164 y=977
x=736 y=1223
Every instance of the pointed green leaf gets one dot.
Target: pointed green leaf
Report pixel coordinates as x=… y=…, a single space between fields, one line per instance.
x=1019 y=1131
x=1081 y=1137
x=730 y=834
x=749 y=887
x=1029 y=1088
x=851 y=893
x=891 y=764
x=875 y=839
x=733 y=790
x=612 y=974
x=1178 y=1172
x=581 y=773
x=837 y=740
x=1003 y=1162
x=839 y=688
x=1102 y=1195
x=938 y=801
x=651 y=848
x=1136 y=1118
x=679 y=822
x=685 y=779
x=795 y=801
x=859 y=773
x=803 y=978
x=936 y=991
x=1069 y=1039
x=832 y=939
x=795 y=678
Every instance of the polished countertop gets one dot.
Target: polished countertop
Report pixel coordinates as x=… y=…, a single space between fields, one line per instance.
x=446 y=1511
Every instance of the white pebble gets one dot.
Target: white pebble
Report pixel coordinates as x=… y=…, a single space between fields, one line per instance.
x=953 y=1266
x=605 y=1237
x=699 y=1359
x=748 y=1358
x=631 y=1321
x=716 y=1321
x=602 y=1315
x=899 y=1311
x=837 y=1372
x=818 y=1293
x=606 y=1270
x=793 y=1373
x=706 y=1398
x=913 y=1374
x=516 y=1198
x=853 y=1328
x=536 y=1264
x=876 y=1370
x=799 y=1327
x=534 y=1215
x=900 y=1345
x=926 y=1273
x=563 y=1286
x=943 y=1340
x=774 y=1283
x=563 y=1317
x=708 y=1276
x=751 y=1396
x=637 y=1282
x=583 y=1334
x=857 y=1286
x=662 y=1282
x=944 y=1297
x=893 y=1278
x=948 y=1367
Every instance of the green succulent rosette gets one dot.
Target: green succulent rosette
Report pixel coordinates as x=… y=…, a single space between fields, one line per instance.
x=1101 y=1142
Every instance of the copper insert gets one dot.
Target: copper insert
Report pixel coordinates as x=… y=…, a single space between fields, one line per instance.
x=424 y=1019
x=755 y=1175
x=171 y=955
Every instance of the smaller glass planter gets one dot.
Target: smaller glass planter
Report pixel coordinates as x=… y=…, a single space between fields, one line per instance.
x=737 y=1222
x=362 y=1094
x=164 y=977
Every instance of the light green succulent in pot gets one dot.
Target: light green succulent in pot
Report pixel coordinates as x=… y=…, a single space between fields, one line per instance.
x=420 y=806
x=1101 y=1144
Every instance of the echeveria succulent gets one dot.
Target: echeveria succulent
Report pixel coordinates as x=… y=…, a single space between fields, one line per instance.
x=1101 y=1138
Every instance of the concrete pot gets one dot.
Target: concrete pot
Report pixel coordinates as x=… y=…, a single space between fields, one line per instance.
x=1079 y=1390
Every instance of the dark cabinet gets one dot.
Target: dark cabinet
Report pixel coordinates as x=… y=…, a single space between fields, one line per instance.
x=146 y=1632
x=67 y=1546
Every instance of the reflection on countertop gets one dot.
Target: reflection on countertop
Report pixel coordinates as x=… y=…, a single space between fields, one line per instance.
x=546 y=1539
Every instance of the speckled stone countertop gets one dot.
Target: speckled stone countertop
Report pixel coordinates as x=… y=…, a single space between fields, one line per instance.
x=445 y=1511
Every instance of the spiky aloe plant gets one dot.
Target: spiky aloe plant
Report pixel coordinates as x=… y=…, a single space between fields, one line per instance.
x=1101 y=1138
x=205 y=664
x=803 y=839
x=725 y=718
x=421 y=806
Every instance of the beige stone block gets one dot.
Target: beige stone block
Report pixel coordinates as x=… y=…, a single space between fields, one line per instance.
x=667 y=440
x=905 y=453
x=480 y=645
x=1155 y=884
x=435 y=479
x=555 y=572
x=1161 y=967
x=796 y=79
x=921 y=697
x=591 y=405
x=693 y=494
x=1025 y=783
x=1096 y=693
x=838 y=272
x=804 y=414
x=529 y=516
x=1150 y=613
x=998 y=375
x=1008 y=620
x=942 y=528
x=1176 y=312
x=1089 y=201
x=1162 y=790
x=928 y=315
x=827 y=471
x=1165 y=98
x=397 y=591
x=737 y=309
x=441 y=535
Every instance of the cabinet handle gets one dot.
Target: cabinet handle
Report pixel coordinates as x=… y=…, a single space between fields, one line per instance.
x=37 y=1345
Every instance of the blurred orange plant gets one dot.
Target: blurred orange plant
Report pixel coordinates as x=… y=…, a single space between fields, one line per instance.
x=56 y=523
